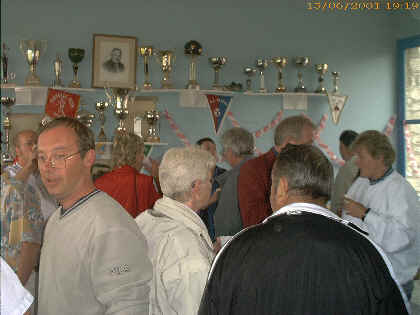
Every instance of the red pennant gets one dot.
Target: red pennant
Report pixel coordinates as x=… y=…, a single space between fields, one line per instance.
x=61 y=103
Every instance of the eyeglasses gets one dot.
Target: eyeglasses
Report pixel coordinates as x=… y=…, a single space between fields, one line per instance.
x=57 y=160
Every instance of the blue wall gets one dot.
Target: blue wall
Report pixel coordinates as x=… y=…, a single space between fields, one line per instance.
x=359 y=44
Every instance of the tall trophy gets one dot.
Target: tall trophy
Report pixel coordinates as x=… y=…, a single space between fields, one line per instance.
x=336 y=77
x=217 y=63
x=152 y=117
x=76 y=55
x=280 y=63
x=261 y=65
x=58 y=66
x=5 y=75
x=146 y=52
x=193 y=49
x=321 y=68
x=249 y=72
x=166 y=59
x=7 y=102
x=32 y=49
x=101 y=108
x=300 y=63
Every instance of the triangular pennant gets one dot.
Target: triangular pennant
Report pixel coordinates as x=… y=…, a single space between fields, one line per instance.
x=61 y=103
x=337 y=103
x=219 y=106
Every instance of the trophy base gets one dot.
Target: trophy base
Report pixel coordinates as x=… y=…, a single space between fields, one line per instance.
x=262 y=90
x=147 y=86
x=193 y=85
x=154 y=139
x=218 y=87
x=300 y=89
x=281 y=89
x=75 y=84
x=167 y=86
x=321 y=90
x=6 y=158
x=57 y=83
x=102 y=137
x=32 y=80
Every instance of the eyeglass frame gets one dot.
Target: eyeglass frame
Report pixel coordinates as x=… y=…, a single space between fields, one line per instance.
x=53 y=163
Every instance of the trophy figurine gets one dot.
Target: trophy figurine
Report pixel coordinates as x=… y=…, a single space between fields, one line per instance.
x=193 y=49
x=261 y=65
x=166 y=58
x=280 y=62
x=152 y=118
x=301 y=62
x=5 y=75
x=250 y=72
x=58 y=66
x=146 y=52
x=32 y=49
x=217 y=63
x=336 y=77
x=76 y=55
x=7 y=102
x=101 y=107
x=321 y=68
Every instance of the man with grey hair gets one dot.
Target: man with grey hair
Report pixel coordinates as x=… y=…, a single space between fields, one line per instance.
x=238 y=147
x=180 y=247
x=254 y=180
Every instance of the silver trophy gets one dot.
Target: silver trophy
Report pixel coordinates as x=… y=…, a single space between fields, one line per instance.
x=193 y=49
x=5 y=75
x=300 y=63
x=261 y=65
x=120 y=98
x=32 y=49
x=336 y=77
x=58 y=67
x=250 y=72
x=321 y=68
x=217 y=63
x=101 y=108
x=7 y=102
x=280 y=63
x=152 y=117
x=85 y=116
x=146 y=52
x=166 y=59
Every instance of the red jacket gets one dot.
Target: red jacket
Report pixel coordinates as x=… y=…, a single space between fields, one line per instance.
x=254 y=187
x=120 y=185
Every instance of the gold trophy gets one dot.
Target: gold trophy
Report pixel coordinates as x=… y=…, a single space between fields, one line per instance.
x=193 y=49
x=32 y=50
x=217 y=63
x=146 y=52
x=76 y=55
x=321 y=68
x=261 y=65
x=101 y=107
x=152 y=117
x=300 y=63
x=336 y=77
x=7 y=102
x=58 y=66
x=166 y=58
x=250 y=72
x=280 y=62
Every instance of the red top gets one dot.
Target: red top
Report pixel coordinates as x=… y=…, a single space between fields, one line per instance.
x=254 y=187
x=120 y=185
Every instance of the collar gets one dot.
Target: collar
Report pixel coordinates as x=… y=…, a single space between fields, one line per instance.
x=299 y=207
x=65 y=212
x=380 y=179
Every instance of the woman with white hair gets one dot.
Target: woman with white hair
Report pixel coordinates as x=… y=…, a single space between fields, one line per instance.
x=180 y=247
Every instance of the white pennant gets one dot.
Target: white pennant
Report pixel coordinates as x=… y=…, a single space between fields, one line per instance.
x=337 y=103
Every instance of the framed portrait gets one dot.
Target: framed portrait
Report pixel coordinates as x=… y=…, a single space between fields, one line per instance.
x=114 y=61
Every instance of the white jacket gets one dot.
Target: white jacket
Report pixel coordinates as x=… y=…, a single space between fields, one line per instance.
x=181 y=253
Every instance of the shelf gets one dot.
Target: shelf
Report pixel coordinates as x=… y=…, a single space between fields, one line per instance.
x=145 y=143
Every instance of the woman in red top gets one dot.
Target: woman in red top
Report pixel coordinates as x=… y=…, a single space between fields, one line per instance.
x=133 y=190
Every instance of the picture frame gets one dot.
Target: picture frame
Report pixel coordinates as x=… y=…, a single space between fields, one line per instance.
x=114 y=61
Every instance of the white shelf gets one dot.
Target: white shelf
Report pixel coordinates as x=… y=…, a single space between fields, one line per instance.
x=283 y=93
x=145 y=143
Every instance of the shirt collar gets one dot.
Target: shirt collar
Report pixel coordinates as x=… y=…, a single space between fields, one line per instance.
x=380 y=179
x=65 y=212
x=296 y=208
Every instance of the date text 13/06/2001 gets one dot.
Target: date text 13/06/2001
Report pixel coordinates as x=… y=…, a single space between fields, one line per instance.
x=362 y=5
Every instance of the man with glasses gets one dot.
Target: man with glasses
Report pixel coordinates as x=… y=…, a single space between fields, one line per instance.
x=94 y=257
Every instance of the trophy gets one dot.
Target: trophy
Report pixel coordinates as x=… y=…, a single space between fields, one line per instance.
x=301 y=62
x=321 y=68
x=5 y=76
x=85 y=116
x=217 y=63
x=261 y=65
x=76 y=55
x=280 y=62
x=101 y=107
x=146 y=52
x=7 y=102
x=58 y=66
x=166 y=58
x=152 y=118
x=250 y=72
x=32 y=49
x=193 y=49
x=336 y=77
x=119 y=98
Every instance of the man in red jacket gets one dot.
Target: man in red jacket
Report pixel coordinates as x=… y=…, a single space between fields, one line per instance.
x=254 y=182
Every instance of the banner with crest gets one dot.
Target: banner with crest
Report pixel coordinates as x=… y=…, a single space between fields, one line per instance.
x=219 y=107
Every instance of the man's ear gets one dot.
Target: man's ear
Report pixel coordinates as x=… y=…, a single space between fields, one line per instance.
x=282 y=188
x=89 y=158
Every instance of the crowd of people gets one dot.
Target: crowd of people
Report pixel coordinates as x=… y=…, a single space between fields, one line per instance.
x=274 y=234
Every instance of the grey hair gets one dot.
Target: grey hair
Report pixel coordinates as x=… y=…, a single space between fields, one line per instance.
x=291 y=127
x=180 y=168
x=239 y=140
x=125 y=147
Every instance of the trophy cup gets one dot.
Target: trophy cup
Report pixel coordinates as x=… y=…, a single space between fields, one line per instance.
x=193 y=49
x=166 y=58
x=152 y=118
x=58 y=66
x=301 y=62
x=76 y=55
x=32 y=49
x=119 y=98
x=5 y=76
x=101 y=107
x=336 y=77
x=280 y=62
x=261 y=65
x=85 y=116
x=146 y=52
x=7 y=102
x=217 y=63
x=250 y=72
x=321 y=68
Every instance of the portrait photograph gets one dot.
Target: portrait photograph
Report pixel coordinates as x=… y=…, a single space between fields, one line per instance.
x=114 y=61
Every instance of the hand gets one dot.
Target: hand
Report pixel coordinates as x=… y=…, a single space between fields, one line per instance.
x=354 y=208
